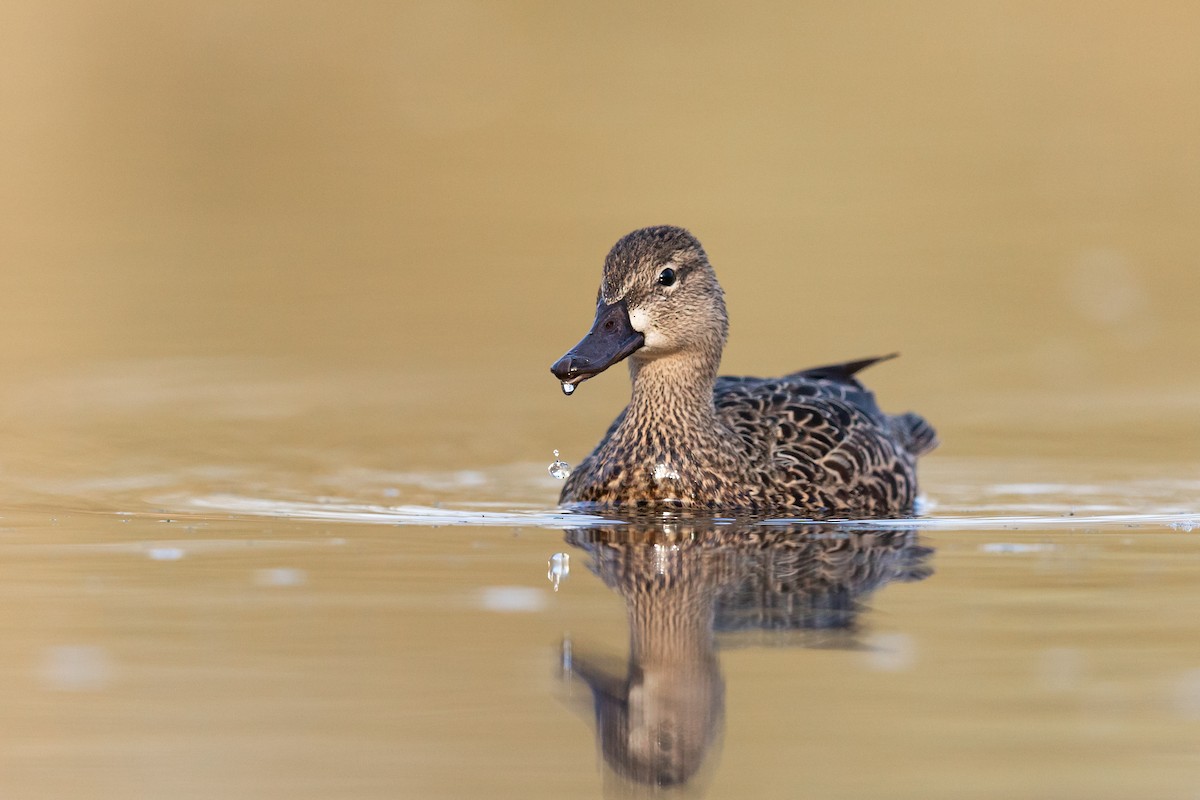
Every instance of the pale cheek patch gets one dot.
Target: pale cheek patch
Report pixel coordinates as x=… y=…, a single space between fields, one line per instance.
x=639 y=320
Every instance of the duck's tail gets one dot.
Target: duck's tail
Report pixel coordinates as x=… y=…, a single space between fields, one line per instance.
x=915 y=434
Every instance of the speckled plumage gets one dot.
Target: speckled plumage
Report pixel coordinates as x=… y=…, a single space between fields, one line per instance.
x=813 y=441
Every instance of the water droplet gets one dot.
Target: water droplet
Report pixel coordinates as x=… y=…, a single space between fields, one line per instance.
x=559 y=566
x=568 y=388
x=568 y=655
x=559 y=470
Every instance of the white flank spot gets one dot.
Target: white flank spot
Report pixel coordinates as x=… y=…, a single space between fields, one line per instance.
x=662 y=472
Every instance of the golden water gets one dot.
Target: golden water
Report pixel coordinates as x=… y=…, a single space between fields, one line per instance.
x=281 y=287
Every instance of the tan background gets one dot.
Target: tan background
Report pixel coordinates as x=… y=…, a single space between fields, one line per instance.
x=1008 y=193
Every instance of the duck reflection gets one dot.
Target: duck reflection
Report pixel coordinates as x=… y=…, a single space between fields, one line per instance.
x=686 y=582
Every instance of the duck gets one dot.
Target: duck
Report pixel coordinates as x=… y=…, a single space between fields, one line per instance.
x=812 y=442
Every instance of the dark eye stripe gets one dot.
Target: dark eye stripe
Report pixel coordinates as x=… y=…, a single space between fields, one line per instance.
x=667 y=277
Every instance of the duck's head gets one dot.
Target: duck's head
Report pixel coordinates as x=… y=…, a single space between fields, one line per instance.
x=659 y=298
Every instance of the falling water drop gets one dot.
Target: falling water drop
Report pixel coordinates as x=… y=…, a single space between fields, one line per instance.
x=568 y=388
x=558 y=567
x=559 y=469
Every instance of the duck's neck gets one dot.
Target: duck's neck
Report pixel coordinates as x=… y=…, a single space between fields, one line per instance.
x=676 y=390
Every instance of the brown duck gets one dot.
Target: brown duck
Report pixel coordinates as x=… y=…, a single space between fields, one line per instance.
x=813 y=441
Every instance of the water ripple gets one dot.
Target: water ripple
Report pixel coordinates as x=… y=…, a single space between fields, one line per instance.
x=334 y=510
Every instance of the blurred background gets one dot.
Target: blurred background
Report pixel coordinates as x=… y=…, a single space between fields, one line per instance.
x=276 y=277
x=411 y=202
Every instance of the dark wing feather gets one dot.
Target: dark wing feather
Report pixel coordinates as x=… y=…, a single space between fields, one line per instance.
x=843 y=372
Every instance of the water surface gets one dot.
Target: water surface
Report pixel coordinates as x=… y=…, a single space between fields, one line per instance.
x=211 y=597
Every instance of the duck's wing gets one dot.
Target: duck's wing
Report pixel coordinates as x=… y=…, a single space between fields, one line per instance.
x=912 y=431
x=829 y=390
x=831 y=409
x=820 y=439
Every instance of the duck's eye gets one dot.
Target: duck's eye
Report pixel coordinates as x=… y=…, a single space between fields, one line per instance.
x=666 y=277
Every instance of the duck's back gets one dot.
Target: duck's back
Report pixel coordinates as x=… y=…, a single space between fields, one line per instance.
x=817 y=440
